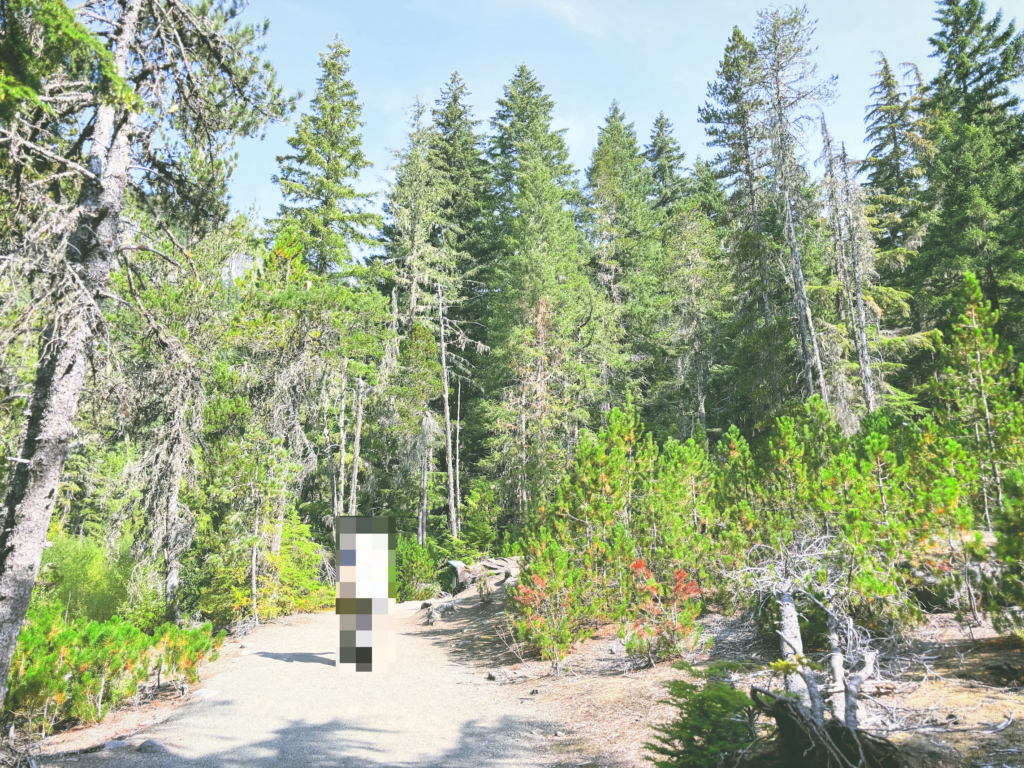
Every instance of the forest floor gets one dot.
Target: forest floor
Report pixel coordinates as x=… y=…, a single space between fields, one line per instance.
x=458 y=697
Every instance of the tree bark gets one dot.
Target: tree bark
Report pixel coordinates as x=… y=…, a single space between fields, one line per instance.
x=64 y=350
x=860 y=319
x=331 y=472
x=360 y=396
x=255 y=555
x=421 y=523
x=804 y=305
x=837 y=662
x=453 y=509
x=792 y=641
x=343 y=438
x=458 y=440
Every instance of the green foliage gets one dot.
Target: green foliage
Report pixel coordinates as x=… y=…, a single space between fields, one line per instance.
x=712 y=720
x=66 y=670
x=615 y=548
x=40 y=36
x=552 y=610
x=80 y=575
x=222 y=441
x=480 y=515
x=321 y=205
x=415 y=570
x=295 y=573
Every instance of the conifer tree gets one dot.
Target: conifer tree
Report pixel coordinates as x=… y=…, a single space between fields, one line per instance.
x=691 y=310
x=893 y=168
x=619 y=187
x=541 y=308
x=317 y=181
x=665 y=159
x=973 y=178
x=426 y=267
x=457 y=151
x=97 y=147
x=731 y=119
x=625 y=241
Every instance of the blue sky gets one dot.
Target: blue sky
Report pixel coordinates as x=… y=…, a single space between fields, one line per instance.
x=650 y=55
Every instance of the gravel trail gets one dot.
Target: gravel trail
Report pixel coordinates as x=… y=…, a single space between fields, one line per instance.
x=279 y=701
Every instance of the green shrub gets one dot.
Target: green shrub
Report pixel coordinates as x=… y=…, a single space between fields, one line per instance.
x=84 y=578
x=628 y=519
x=481 y=514
x=287 y=582
x=552 y=610
x=415 y=570
x=66 y=670
x=298 y=585
x=712 y=719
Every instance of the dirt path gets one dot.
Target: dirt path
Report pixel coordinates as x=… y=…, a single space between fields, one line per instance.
x=279 y=701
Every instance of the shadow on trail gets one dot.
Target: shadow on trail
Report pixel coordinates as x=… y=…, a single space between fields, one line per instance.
x=513 y=742
x=300 y=658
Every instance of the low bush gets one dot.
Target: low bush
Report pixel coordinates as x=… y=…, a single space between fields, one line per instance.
x=665 y=622
x=615 y=548
x=415 y=570
x=712 y=720
x=78 y=669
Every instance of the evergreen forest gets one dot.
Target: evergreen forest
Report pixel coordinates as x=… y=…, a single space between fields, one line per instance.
x=774 y=378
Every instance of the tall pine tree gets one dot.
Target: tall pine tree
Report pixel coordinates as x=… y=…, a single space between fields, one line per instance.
x=317 y=181
x=665 y=159
x=974 y=177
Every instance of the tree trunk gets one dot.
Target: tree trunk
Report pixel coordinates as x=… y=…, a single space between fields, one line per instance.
x=803 y=304
x=255 y=555
x=837 y=662
x=360 y=396
x=458 y=441
x=453 y=509
x=64 y=350
x=421 y=523
x=277 y=534
x=792 y=641
x=171 y=583
x=331 y=471
x=860 y=320
x=343 y=438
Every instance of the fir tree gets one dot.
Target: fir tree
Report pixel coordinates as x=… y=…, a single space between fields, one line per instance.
x=665 y=159
x=731 y=121
x=619 y=187
x=625 y=242
x=539 y=299
x=457 y=151
x=979 y=60
x=317 y=181
x=892 y=166
x=973 y=178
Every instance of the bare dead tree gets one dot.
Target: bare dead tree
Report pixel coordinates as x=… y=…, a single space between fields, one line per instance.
x=360 y=397
x=790 y=84
x=453 y=508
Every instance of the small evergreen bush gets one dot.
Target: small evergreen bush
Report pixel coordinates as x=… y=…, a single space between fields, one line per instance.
x=415 y=570
x=67 y=670
x=712 y=719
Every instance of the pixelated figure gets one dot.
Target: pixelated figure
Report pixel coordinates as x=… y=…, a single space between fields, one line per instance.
x=366 y=591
